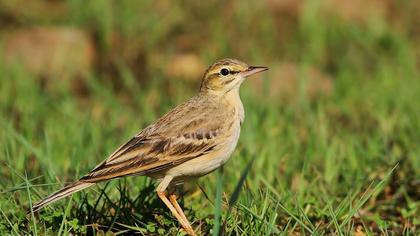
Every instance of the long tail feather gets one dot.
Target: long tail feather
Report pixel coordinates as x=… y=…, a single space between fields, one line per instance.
x=64 y=192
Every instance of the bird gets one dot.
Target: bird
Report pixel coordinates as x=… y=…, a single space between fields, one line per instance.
x=190 y=141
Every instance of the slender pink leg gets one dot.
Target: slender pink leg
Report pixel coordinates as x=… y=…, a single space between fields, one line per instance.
x=173 y=198
x=180 y=219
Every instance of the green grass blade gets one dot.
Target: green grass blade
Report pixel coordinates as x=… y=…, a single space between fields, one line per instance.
x=218 y=203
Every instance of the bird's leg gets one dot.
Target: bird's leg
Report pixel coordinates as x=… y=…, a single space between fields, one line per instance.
x=165 y=200
x=160 y=190
x=172 y=198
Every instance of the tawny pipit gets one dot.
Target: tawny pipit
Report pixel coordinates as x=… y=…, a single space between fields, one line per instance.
x=190 y=141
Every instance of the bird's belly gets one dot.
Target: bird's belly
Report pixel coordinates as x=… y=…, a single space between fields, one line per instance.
x=207 y=163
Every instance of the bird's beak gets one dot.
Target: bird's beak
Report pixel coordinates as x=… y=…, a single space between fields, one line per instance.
x=253 y=70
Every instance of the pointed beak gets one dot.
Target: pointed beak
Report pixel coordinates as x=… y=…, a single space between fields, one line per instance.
x=253 y=70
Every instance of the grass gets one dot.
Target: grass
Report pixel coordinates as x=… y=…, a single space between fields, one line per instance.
x=336 y=164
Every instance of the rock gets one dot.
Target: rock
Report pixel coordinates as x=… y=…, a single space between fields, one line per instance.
x=358 y=11
x=33 y=11
x=286 y=79
x=185 y=66
x=288 y=12
x=286 y=15
x=56 y=52
x=285 y=8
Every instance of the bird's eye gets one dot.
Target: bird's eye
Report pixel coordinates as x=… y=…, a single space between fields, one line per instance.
x=224 y=71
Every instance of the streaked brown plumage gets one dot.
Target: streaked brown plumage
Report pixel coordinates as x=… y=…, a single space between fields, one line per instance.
x=189 y=141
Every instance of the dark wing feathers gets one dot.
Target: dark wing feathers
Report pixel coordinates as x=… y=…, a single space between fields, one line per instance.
x=166 y=143
x=149 y=158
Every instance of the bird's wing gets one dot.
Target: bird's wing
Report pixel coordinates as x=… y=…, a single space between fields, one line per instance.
x=181 y=135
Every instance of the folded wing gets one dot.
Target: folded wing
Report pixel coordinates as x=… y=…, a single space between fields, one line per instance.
x=141 y=156
x=181 y=135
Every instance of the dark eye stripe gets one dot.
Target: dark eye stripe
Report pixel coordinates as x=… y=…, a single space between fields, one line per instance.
x=217 y=74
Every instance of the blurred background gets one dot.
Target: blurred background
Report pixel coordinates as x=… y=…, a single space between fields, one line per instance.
x=334 y=124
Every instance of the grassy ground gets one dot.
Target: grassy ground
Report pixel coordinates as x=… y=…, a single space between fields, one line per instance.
x=341 y=163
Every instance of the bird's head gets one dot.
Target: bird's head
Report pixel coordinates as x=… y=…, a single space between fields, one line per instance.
x=226 y=75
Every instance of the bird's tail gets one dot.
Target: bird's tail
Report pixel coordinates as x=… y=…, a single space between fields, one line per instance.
x=64 y=192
